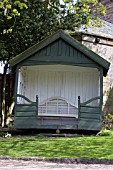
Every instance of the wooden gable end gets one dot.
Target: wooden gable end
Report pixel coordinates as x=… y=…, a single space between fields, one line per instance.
x=59 y=52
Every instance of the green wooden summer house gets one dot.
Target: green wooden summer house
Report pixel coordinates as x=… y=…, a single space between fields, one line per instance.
x=59 y=85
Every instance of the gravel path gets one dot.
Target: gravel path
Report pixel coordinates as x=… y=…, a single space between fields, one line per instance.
x=42 y=165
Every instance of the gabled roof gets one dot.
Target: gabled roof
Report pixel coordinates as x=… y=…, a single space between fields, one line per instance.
x=74 y=43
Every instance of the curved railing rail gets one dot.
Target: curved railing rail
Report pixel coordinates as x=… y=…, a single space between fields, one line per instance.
x=89 y=101
x=25 y=98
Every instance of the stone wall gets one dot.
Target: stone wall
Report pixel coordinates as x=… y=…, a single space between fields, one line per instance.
x=105 y=49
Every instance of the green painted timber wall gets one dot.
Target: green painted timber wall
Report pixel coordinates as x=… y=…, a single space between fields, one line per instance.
x=25 y=116
x=89 y=124
x=90 y=118
x=59 y=52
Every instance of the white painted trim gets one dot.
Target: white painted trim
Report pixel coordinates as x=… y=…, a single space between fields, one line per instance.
x=60 y=68
x=57 y=115
x=64 y=81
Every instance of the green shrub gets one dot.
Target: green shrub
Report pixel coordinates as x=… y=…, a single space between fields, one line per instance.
x=107 y=120
x=5 y=134
x=105 y=132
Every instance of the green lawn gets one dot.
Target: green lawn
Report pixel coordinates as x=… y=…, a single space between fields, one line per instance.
x=77 y=147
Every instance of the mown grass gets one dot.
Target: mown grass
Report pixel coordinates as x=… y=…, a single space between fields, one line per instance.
x=97 y=147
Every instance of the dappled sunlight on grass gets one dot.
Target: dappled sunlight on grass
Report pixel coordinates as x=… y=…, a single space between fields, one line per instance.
x=49 y=147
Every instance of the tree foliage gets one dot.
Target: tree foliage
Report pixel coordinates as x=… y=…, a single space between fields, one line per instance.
x=21 y=30
x=9 y=12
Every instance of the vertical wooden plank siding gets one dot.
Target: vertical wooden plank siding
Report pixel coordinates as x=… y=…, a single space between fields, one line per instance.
x=21 y=83
x=60 y=48
x=64 y=81
x=61 y=52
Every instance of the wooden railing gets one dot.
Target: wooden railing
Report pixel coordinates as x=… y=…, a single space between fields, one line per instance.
x=86 y=111
x=26 y=113
x=26 y=107
x=54 y=106
x=26 y=99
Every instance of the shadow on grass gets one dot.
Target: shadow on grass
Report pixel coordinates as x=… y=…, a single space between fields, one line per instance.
x=81 y=148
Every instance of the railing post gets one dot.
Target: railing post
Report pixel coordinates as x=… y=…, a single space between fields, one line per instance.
x=78 y=107
x=101 y=92
x=37 y=105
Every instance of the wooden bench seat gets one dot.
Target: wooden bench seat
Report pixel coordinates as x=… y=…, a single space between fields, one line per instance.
x=58 y=107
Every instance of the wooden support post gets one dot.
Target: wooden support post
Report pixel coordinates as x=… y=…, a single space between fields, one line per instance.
x=15 y=92
x=37 y=105
x=78 y=107
x=16 y=85
x=101 y=92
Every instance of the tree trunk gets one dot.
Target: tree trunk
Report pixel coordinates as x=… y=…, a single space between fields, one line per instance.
x=9 y=120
